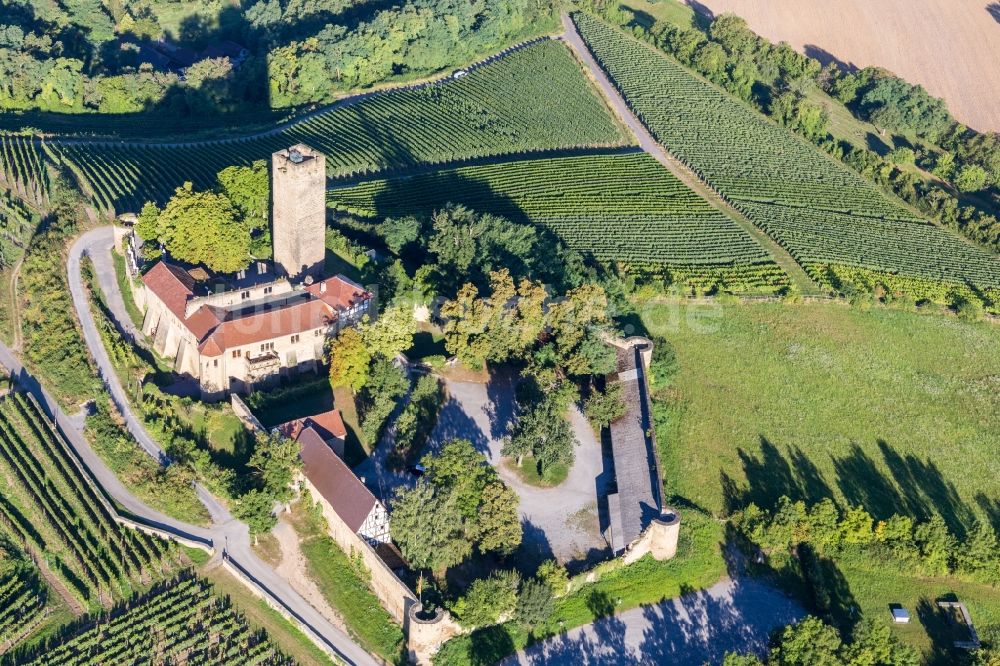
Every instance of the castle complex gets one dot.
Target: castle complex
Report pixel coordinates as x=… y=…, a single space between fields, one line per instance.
x=268 y=321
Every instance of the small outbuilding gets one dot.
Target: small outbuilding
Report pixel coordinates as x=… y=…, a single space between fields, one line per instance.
x=900 y=615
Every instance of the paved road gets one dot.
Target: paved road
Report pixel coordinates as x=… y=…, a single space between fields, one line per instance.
x=697 y=628
x=226 y=535
x=675 y=166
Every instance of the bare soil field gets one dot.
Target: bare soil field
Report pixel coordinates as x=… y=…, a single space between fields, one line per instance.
x=951 y=47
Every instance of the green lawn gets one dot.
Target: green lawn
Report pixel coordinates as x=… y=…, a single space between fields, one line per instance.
x=670 y=11
x=873 y=587
x=894 y=410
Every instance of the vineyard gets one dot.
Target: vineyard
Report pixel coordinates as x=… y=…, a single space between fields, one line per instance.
x=22 y=595
x=17 y=224
x=505 y=107
x=22 y=167
x=180 y=621
x=818 y=209
x=615 y=206
x=48 y=507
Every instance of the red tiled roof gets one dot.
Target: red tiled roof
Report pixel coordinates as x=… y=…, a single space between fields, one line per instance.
x=171 y=284
x=328 y=424
x=267 y=325
x=338 y=291
x=334 y=480
x=219 y=329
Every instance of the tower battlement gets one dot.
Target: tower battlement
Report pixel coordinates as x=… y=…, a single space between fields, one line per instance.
x=298 y=211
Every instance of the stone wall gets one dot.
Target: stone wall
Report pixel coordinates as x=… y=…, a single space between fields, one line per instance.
x=392 y=593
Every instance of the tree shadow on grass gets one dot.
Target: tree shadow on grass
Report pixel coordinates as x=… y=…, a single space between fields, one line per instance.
x=897 y=483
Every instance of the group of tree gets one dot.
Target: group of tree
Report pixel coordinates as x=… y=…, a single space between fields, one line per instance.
x=224 y=228
x=363 y=359
x=459 y=505
x=505 y=596
x=812 y=642
x=456 y=245
x=89 y=55
x=273 y=466
x=928 y=545
x=776 y=80
x=556 y=337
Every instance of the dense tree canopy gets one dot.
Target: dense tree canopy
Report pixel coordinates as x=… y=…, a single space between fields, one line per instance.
x=65 y=57
x=481 y=510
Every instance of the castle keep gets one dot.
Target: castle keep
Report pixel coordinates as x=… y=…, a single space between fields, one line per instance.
x=266 y=322
x=298 y=220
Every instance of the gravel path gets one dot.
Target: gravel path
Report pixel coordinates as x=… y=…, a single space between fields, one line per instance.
x=697 y=628
x=559 y=522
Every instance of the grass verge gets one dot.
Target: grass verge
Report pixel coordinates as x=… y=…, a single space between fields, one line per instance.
x=343 y=581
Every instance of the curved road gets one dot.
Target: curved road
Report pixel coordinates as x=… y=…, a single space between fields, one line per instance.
x=226 y=533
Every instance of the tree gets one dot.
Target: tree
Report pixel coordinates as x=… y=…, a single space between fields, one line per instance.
x=147 y=225
x=275 y=460
x=349 y=360
x=488 y=599
x=874 y=645
x=575 y=325
x=498 y=523
x=733 y=659
x=385 y=385
x=554 y=575
x=535 y=603
x=256 y=509
x=203 y=227
x=249 y=189
x=429 y=528
x=981 y=552
x=602 y=408
x=808 y=643
x=489 y=507
x=399 y=232
x=541 y=430
x=937 y=545
x=970 y=178
x=391 y=334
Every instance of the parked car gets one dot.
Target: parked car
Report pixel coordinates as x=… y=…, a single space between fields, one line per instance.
x=416 y=470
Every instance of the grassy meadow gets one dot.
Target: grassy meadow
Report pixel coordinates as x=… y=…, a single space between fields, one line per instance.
x=894 y=410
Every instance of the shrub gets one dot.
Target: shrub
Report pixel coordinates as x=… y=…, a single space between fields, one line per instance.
x=488 y=599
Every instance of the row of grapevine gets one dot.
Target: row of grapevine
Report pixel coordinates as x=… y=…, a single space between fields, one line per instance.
x=22 y=596
x=17 y=224
x=97 y=556
x=507 y=107
x=22 y=167
x=817 y=208
x=180 y=621
x=622 y=207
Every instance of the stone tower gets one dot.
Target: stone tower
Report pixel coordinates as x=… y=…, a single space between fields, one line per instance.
x=298 y=211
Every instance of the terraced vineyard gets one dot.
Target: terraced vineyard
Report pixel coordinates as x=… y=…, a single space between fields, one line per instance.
x=821 y=211
x=532 y=99
x=22 y=167
x=47 y=505
x=177 y=622
x=617 y=206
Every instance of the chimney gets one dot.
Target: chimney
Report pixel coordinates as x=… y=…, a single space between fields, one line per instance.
x=322 y=287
